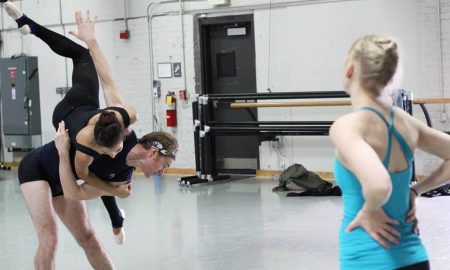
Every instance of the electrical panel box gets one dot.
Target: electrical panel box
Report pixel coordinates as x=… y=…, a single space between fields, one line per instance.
x=21 y=112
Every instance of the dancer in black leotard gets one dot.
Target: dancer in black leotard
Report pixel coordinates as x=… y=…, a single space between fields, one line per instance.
x=92 y=131
x=42 y=188
x=42 y=185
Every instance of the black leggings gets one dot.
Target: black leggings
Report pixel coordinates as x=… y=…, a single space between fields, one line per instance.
x=85 y=85
x=418 y=266
x=84 y=90
x=113 y=211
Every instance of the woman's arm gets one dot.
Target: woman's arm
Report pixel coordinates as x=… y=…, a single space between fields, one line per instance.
x=112 y=95
x=438 y=144
x=82 y=162
x=86 y=34
x=68 y=181
x=360 y=158
x=132 y=114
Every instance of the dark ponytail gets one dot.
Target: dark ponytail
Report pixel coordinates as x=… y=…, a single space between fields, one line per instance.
x=108 y=131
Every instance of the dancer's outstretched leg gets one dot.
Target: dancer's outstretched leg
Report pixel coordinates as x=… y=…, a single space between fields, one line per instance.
x=58 y=43
x=85 y=85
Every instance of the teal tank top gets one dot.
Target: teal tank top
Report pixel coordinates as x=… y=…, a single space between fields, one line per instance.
x=358 y=250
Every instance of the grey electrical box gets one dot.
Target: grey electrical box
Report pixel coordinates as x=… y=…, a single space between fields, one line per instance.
x=21 y=112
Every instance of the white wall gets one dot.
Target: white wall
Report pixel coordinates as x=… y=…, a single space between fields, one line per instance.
x=307 y=51
x=430 y=75
x=308 y=44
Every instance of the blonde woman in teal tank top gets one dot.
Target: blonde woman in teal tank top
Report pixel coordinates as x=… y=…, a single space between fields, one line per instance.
x=374 y=151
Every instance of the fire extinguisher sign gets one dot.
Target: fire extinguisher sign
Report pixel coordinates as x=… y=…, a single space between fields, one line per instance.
x=12 y=76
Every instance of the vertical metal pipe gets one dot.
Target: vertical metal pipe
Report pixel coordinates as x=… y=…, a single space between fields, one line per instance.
x=196 y=135
x=64 y=33
x=125 y=13
x=183 y=62
x=441 y=64
x=426 y=114
x=409 y=109
x=150 y=50
x=210 y=156
x=203 y=153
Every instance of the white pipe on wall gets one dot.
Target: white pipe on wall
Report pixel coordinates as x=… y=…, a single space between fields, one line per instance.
x=150 y=45
x=443 y=115
x=125 y=13
x=223 y=10
x=183 y=64
x=150 y=15
x=64 y=32
x=1 y=36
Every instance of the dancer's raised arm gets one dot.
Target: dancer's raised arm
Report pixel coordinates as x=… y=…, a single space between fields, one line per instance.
x=86 y=33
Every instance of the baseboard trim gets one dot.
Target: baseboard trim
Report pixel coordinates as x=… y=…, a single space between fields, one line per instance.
x=174 y=171
x=270 y=173
x=191 y=171
x=267 y=173
x=180 y=171
x=11 y=164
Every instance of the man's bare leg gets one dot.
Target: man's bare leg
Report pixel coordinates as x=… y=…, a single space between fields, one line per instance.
x=38 y=198
x=74 y=215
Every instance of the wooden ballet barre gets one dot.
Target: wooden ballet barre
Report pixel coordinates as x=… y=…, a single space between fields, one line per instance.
x=238 y=105
x=241 y=105
x=431 y=100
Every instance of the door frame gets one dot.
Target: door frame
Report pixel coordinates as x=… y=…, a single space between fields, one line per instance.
x=206 y=79
x=205 y=50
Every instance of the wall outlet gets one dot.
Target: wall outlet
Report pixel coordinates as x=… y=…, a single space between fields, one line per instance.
x=156 y=92
x=156 y=88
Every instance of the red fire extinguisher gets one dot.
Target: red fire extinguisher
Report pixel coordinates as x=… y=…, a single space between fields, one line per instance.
x=171 y=111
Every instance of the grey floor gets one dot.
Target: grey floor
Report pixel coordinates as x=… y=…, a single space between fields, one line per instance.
x=230 y=225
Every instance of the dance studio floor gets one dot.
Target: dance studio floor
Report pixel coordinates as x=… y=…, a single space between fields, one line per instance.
x=230 y=225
